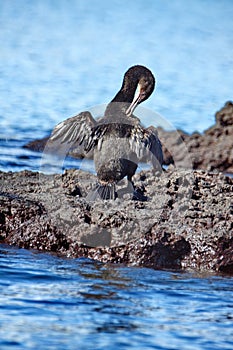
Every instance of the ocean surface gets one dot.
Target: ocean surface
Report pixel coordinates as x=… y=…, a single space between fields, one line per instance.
x=58 y=58
x=53 y=303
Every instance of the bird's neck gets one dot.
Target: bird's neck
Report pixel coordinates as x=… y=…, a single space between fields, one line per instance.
x=124 y=96
x=121 y=102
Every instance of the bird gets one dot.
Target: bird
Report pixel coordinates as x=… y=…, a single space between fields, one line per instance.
x=118 y=140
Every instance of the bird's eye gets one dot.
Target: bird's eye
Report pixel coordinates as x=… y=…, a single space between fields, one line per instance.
x=143 y=93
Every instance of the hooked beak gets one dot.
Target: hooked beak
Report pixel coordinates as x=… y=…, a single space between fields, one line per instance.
x=139 y=96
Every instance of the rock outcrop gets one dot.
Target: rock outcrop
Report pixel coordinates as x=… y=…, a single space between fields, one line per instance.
x=187 y=221
x=212 y=150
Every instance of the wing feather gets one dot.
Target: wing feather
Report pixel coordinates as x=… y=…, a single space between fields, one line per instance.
x=73 y=135
x=74 y=130
x=147 y=146
x=154 y=146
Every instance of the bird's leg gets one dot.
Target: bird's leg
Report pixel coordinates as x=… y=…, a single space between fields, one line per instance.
x=137 y=193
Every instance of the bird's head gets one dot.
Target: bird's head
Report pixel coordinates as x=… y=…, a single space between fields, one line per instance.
x=140 y=82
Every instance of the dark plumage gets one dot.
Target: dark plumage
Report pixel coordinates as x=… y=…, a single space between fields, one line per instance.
x=118 y=139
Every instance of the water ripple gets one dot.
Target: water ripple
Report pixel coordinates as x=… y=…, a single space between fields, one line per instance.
x=55 y=303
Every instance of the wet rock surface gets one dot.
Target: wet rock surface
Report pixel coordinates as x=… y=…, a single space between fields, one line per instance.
x=187 y=221
x=212 y=150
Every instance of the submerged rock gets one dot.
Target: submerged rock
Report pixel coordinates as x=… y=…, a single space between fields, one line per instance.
x=187 y=221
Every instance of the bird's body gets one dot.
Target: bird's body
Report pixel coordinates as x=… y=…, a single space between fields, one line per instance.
x=118 y=139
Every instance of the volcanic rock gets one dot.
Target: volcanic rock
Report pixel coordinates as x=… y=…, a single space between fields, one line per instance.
x=185 y=223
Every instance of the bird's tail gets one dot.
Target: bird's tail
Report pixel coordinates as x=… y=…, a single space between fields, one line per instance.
x=106 y=191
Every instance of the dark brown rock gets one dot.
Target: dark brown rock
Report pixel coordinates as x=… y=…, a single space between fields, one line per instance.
x=37 y=145
x=187 y=221
x=212 y=150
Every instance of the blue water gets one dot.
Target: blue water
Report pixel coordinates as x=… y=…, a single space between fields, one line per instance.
x=52 y=303
x=58 y=58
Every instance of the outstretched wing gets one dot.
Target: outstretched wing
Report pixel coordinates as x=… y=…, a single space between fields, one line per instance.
x=155 y=147
x=147 y=146
x=74 y=135
x=74 y=130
